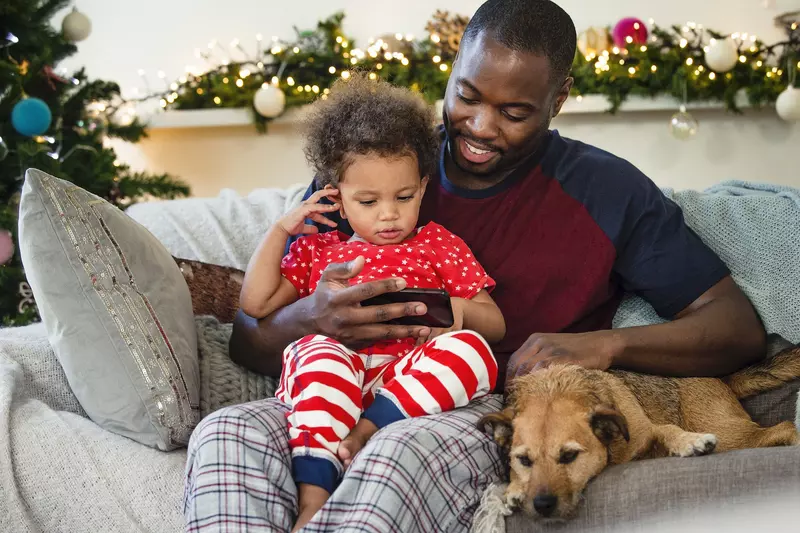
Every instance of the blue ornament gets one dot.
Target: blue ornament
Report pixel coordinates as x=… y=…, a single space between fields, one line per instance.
x=31 y=116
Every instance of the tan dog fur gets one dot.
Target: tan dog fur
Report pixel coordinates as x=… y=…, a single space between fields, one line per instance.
x=565 y=424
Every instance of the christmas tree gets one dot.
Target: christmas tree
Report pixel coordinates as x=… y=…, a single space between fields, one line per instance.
x=57 y=122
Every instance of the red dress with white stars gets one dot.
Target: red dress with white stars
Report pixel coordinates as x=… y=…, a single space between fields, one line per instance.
x=431 y=258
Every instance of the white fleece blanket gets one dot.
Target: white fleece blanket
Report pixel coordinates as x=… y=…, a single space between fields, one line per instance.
x=60 y=472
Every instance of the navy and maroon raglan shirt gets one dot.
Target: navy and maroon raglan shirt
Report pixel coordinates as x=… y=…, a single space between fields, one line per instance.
x=565 y=235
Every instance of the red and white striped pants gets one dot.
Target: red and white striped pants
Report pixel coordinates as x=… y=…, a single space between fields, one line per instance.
x=329 y=387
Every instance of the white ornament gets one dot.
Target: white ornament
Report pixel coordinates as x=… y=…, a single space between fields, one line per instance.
x=722 y=55
x=124 y=115
x=269 y=101
x=76 y=26
x=788 y=104
x=683 y=125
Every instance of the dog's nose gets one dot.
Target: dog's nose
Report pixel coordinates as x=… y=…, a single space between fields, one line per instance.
x=545 y=504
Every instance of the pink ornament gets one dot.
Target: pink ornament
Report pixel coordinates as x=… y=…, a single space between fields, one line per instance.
x=6 y=247
x=632 y=28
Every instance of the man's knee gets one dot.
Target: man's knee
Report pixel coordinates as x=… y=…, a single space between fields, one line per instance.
x=236 y=422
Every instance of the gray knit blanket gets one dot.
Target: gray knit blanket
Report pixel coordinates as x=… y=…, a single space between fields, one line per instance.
x=223 y=382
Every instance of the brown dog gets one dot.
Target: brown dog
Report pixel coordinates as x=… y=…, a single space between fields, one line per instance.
x=565 y=424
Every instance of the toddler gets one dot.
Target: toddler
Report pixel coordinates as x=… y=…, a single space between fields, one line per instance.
x=373 y=147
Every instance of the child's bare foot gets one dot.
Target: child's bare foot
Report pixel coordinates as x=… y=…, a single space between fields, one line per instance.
x=358 y=437
x=310 y=498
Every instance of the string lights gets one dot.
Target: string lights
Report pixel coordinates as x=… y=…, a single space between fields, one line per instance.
x=677 y=61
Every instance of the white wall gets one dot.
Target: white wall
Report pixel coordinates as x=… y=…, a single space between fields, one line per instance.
x=157 y=35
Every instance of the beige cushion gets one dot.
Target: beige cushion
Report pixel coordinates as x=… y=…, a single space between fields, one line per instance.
x=116 y=309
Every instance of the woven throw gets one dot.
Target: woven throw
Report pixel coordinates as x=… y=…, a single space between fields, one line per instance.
x=223 y=382
x=755 y=229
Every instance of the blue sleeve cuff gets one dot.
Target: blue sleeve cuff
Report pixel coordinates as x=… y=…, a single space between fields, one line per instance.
x=315 y=471
x=383 y=412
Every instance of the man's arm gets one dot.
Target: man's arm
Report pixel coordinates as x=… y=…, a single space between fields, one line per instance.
x=334 y=310
x=258 y=344
x=715 y=335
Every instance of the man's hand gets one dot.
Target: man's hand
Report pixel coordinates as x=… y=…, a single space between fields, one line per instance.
x=595 y=350
x=335 y=308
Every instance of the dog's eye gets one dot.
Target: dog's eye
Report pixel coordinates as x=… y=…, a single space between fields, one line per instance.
x=525 y=461
x=568 y=456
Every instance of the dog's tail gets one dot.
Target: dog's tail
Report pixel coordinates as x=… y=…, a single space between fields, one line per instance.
x=766 y=375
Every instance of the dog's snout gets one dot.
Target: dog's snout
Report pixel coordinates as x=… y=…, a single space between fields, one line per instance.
x=545 y=504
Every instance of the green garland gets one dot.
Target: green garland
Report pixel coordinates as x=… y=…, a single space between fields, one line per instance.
x=671 y=63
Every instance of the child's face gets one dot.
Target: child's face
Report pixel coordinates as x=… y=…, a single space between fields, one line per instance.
x=381 y=197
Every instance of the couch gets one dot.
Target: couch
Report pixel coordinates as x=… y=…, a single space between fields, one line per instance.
x=62 y=472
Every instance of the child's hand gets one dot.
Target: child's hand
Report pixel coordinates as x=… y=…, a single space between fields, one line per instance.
x=458 y=322
x=294 y=222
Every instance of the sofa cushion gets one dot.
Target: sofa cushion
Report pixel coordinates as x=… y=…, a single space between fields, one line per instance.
x=116 y=309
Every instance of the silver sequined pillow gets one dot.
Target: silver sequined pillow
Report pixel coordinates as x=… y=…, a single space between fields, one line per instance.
x=117 y=312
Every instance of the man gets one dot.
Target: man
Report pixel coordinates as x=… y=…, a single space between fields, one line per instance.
x=563 y=228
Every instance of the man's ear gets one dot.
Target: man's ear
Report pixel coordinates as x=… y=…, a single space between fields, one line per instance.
x=561 y=96
x=608 y=424
x=500 y=424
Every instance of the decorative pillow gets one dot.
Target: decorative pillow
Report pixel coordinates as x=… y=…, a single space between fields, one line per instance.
x=116 y=309
x=214 y=289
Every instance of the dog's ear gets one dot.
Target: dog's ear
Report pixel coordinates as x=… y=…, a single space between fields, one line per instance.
x=500 y=424
x=608 y=424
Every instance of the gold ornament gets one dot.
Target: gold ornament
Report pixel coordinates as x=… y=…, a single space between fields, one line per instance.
x=594 y=41
x=395 y=44
x=446 y=31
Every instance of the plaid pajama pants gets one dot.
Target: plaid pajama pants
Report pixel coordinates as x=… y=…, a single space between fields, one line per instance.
x=330 y=387
x=423 y=474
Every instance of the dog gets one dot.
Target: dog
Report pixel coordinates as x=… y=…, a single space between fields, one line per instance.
x=565 y=424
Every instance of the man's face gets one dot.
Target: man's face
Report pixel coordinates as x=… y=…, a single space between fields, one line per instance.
x=498 y=106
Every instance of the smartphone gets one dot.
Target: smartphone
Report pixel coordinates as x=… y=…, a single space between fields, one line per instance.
x=440 y=312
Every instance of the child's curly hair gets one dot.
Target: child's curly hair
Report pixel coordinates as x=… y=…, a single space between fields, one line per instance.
x=360 y=117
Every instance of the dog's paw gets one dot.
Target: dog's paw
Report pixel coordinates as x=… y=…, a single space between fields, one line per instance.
x=696 y=444
x=514 y=502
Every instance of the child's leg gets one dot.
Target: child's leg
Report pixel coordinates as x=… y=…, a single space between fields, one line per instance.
x=443 y=374
x=321 y=381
